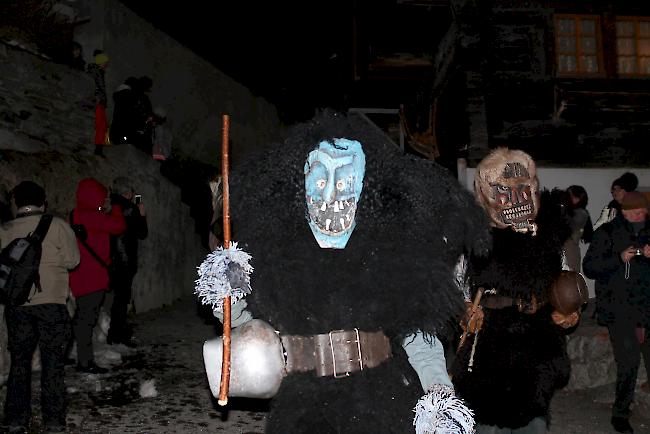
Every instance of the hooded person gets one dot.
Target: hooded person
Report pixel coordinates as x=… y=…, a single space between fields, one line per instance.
x=354 y=247
x=89 y=280
x=515 y=358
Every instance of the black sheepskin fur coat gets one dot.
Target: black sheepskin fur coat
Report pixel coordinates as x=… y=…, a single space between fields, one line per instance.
x=395 y=275
x=520 y=359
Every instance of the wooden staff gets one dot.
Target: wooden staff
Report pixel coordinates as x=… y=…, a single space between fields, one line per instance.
x=225 y=362
x=475 y=305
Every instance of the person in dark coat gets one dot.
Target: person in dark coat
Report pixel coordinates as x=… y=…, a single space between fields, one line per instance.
x=124 y=258
x=89 y=281
x=76 y=59
x=144 y=116
x=124 y=122
x=618 y=259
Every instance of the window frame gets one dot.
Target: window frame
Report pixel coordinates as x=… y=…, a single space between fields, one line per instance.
x=599 y=45
x=635 y=19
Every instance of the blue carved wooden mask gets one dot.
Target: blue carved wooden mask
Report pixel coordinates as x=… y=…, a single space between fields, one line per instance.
x=333 y=182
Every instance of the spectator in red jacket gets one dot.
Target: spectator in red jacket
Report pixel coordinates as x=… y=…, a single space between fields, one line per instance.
x=89 y=281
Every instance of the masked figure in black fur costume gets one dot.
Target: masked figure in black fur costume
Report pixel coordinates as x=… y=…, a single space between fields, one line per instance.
x=508 y=370
x=392 y=281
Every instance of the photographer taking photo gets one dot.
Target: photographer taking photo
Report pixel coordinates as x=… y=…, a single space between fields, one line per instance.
x=618 y=259
x=124 y=258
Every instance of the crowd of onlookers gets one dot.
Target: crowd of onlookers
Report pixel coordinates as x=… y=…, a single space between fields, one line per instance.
x=134 y=120
x=93 y=253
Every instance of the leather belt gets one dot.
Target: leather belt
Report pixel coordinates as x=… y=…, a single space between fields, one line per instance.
x=337 y=353
x=502 y=302
x=498 y=302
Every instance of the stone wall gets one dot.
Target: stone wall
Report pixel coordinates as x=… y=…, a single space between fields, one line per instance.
x=46 y=129
x=193 y=92
x=43 y=106
x=46 y=135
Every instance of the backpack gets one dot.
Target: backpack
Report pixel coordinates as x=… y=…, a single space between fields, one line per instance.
x=19 y=262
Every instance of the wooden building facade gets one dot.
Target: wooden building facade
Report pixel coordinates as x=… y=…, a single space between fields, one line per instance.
x=567 y=81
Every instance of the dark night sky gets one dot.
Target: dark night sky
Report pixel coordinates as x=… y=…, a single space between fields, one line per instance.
x=289 y=53
x=298 y=55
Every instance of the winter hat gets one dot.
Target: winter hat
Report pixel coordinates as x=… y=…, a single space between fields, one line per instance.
x=627 y=181
x=28 y=193
x=634 y=200
x=101 y=59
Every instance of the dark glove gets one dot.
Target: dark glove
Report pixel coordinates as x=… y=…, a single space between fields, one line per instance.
x=237 y=279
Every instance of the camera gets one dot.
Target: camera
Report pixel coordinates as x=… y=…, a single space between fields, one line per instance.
x=138 y=199
x=640 y=242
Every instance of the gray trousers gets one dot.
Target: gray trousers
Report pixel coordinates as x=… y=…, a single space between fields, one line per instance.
x=83 y=323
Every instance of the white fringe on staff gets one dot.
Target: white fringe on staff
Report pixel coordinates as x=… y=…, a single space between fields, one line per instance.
x=441 y=412
x=213 y=284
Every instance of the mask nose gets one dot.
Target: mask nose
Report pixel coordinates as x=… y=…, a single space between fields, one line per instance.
x=330 y=190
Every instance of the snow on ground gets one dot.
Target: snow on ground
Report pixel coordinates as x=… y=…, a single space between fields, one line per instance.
x=160 y=387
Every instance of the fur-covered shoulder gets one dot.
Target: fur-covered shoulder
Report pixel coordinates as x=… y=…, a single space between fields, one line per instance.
x=523 y=264
x=414 y=220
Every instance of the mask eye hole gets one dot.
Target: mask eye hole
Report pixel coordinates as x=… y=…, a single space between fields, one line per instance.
x=340 y=185
x=320 y=184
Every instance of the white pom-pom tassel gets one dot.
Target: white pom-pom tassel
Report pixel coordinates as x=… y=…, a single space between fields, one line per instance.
x=213 y=284
x=441 y=412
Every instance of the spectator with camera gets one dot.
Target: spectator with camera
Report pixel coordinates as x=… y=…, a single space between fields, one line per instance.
x=618 y=260
x=124 y=258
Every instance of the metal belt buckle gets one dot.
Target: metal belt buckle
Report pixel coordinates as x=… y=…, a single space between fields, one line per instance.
x=527 y=307
x=358 y=342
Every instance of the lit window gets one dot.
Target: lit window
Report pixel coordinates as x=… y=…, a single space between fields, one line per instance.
x=633 y=46
x=577 y=44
